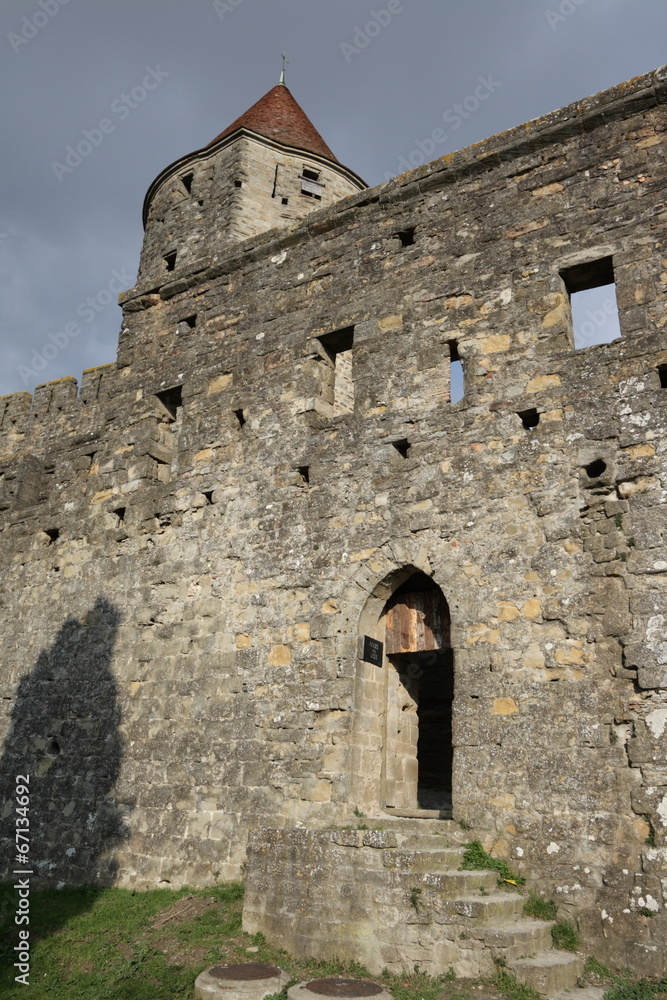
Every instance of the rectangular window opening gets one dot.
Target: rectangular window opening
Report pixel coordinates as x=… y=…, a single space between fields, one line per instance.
x=456 y=387
x=338 y=385
x=310 y=175
x=304 y=474
x=172 y=401
x=187 y=182
x=591 y=288
x=406 y=237
x=285 y=201
x=238 y=184
x=662 y=375
x=170 y=260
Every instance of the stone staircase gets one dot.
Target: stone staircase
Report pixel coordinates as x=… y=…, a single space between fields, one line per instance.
x=467 y=914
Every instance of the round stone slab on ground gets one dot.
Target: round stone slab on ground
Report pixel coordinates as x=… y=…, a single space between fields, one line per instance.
x=245 y=981
x=317 y=989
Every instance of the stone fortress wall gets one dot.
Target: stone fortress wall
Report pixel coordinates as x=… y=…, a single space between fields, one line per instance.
x=195 y=540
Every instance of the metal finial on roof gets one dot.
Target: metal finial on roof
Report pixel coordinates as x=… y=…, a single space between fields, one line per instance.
x=285 y=63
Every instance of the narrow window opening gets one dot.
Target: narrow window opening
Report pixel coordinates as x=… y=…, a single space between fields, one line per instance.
x=187 y=182
x=285 y=201
x=209 y=497
x=596 y=468
x=170 y=260
x=120 y=514
x=338 y=385
x=238 y=184
x=402 y=447
x=591 y=288
x=54 y=534
x=662 y=375
x=406 y=237
x=530 y=419
x=456 y=389
x=311 y=184
x=304 y=474
x=240 y=417
x=172 y=400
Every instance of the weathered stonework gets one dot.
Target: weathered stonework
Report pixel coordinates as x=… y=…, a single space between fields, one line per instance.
x=194 y=543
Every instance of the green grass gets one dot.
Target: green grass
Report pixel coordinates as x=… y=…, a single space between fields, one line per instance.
x=541 y=909
x=511 y=988
x=565 y=936
x=476 y=858
x=624 y=985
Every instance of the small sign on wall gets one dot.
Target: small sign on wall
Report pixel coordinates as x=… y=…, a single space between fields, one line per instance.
x=372 y=651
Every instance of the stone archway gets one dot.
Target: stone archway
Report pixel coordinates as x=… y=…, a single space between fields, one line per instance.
x=418 y=697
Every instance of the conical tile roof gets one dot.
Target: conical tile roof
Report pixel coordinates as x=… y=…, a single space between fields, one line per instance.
x=278 y=116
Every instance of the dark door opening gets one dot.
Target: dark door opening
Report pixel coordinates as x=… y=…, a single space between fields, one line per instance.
x=434 y=746
x=428 y=680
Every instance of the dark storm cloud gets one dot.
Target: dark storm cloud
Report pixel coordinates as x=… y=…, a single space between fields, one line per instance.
x=385 y=83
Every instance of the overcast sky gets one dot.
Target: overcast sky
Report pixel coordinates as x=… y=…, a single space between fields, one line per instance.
x=70 y=233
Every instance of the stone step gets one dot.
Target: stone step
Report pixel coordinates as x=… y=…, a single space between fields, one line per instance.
x=548 y=972
x=453 y=884
x=429 y=841
x=518 y=940
x=429 y=859
x=495 y=908
x=405 y=826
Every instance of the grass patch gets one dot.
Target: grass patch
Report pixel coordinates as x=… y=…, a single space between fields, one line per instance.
x=565 y=936
x=624 y=985
x=476 y=858
x=541 y=909
x=511 y=988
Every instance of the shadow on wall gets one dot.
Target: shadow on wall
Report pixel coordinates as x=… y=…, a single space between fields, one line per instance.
x=64 y=735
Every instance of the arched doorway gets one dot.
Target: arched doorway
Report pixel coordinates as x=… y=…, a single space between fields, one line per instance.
x=417 y=770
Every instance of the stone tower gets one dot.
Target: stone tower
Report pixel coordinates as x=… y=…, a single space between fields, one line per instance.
x=270 y=167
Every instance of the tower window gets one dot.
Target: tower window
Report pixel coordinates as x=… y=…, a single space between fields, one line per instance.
x=172 y=400
x=170 y=260
x=311 y=185
x=285 y=201
x=591 y=288
x=662 y=375
x=238 y=184
x=456 y=392
x=187 y=181
x=338 y=387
